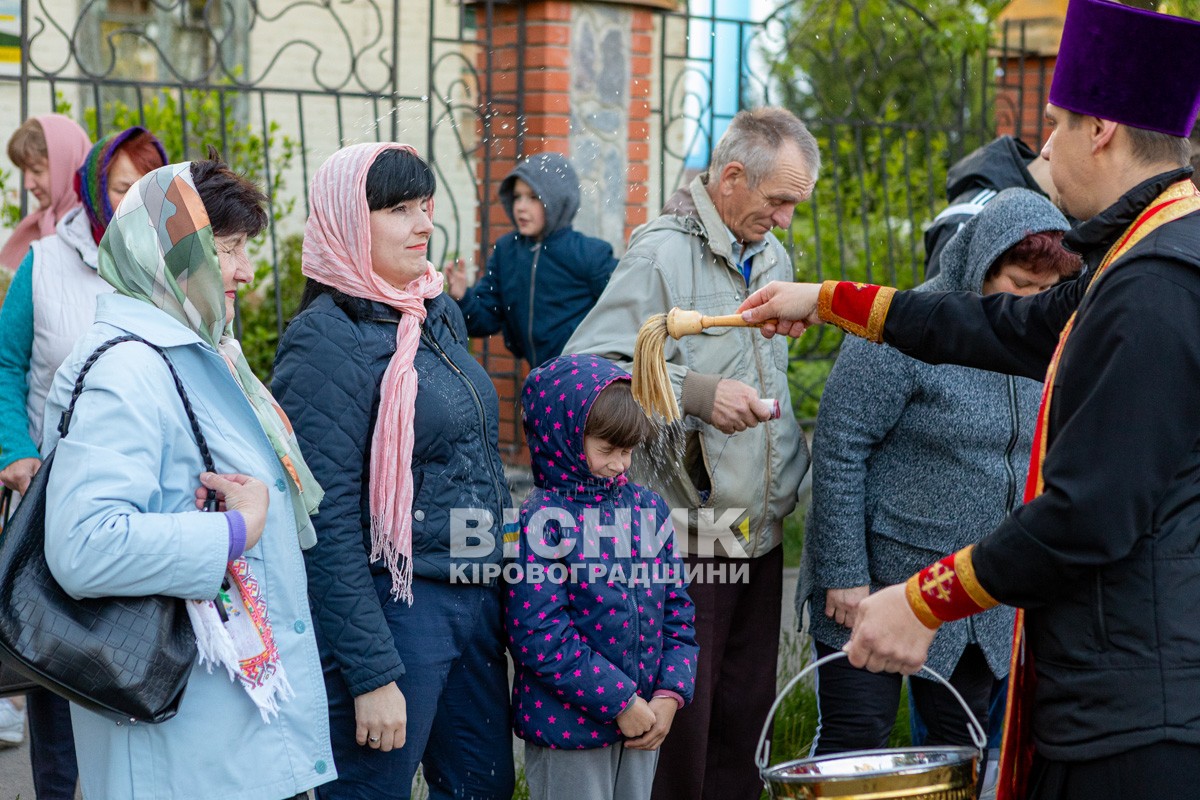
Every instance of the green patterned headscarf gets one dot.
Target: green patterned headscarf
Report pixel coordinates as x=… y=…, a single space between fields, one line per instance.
x=160 y=249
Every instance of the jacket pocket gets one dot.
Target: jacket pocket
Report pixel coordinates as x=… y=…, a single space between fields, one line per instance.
x=941 y=536
x=420 y=514
x=418 y=478
x=698 y=467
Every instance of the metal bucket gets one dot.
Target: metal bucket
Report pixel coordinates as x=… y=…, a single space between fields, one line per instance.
x=928 y=773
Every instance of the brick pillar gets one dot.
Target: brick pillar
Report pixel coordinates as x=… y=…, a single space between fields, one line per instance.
x=638 y=148
x=1021 y=94
x=1025 y=43
x=572 y=78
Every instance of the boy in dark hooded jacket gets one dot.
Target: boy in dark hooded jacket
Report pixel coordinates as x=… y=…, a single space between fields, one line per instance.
x=543 y=264
x=600 y=625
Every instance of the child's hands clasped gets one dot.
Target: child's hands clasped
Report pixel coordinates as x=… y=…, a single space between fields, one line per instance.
x=664 y=709
x=637 y=718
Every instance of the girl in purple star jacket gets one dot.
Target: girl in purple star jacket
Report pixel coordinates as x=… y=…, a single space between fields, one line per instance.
x=599 y=621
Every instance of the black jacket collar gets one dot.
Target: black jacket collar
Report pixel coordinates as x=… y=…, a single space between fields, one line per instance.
x=1093 y=238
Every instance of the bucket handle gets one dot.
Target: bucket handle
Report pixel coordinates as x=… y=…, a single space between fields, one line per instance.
x=763 y=751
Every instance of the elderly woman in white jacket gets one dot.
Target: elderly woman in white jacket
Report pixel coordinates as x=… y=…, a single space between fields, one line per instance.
x=127 y=480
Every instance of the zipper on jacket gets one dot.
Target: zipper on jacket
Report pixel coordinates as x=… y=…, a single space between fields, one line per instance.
x=537 y=251
x=433 y=345
x=1014 y=435
x=634 y=557
x=751 y=539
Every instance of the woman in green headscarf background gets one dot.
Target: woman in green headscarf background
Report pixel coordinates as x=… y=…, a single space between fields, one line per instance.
x=127 y=481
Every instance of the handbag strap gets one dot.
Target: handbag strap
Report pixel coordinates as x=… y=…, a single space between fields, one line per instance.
x=64 y=422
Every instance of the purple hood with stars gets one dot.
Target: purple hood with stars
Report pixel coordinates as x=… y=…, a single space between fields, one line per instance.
x=556 y=400
x=596 y=609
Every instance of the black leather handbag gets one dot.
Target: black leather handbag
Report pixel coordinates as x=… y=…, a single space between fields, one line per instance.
x=11 y=683
x=128 y=658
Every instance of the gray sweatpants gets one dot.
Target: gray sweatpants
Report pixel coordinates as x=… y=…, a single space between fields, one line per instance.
x=608 y=773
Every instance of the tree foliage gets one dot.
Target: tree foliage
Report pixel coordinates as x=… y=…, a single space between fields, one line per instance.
x=868 y=59
x=895 y=92
x=191 y=124
x=881 y=182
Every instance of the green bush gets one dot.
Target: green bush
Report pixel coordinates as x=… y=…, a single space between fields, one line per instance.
x=211 y=120
x=257 y=310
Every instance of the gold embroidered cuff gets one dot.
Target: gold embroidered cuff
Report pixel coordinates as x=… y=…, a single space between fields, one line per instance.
x=857 y=308
x=879 y=310
x=965 y=568
x=825 y=301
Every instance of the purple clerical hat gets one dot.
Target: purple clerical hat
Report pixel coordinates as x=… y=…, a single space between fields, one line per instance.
x=1130 y=66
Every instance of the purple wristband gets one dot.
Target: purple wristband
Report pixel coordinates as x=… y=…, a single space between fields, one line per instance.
x=237 y=534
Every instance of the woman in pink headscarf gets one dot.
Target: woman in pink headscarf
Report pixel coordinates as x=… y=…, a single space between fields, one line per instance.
x=399 y=424
x=48 y=149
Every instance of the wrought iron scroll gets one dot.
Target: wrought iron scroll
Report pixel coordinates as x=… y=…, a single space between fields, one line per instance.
x=277 y=87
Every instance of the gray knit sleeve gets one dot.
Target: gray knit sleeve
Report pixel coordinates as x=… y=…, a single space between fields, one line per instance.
x=866 y=394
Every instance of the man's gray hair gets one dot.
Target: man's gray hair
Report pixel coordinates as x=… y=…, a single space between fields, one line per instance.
x=754 y=139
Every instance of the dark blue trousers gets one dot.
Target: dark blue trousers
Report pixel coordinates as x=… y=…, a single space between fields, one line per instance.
x=51 y=746
x=451 y=641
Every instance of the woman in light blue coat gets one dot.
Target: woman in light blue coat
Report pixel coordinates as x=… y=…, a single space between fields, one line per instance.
x=122 y=515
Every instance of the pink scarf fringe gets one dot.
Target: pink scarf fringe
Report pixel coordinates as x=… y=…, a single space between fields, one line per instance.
x=337 y=253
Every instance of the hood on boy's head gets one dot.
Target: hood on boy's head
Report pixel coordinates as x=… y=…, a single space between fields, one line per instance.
x=553 y=178
x=1007 y=219
x=556 y=400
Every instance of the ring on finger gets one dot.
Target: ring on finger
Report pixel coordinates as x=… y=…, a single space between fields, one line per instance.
x=373 y=739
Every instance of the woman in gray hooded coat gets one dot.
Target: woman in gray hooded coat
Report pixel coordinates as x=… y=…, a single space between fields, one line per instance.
x=912 y=461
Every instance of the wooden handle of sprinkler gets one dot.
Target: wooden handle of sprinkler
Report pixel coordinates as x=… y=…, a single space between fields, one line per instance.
x=685 y=323
x=728 y=321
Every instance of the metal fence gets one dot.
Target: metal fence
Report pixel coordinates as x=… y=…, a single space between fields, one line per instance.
x=893 y=103
x=322 y=75
x=891 y=112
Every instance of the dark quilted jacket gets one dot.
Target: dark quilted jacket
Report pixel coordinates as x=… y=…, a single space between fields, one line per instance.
x=327 y=376
x=583 y=646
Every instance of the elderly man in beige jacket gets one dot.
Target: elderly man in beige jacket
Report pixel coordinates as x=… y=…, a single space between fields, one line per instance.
x=740 y=468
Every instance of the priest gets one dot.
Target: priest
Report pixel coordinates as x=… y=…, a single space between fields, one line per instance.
x=1103 y=559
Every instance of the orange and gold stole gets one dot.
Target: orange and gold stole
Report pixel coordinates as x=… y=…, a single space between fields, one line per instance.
x=1016 y=753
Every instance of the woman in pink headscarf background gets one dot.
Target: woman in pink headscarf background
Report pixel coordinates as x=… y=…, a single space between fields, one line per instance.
x=399 y=424
x=48 y=149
